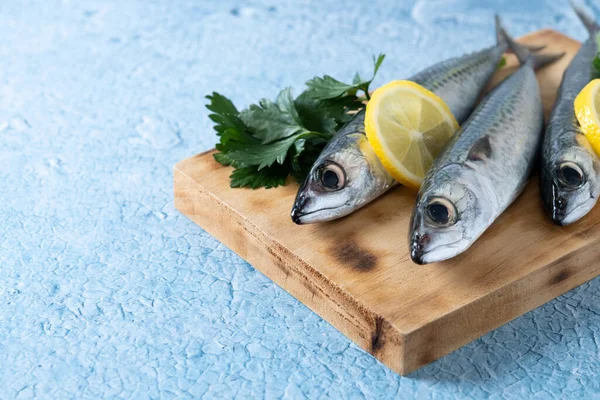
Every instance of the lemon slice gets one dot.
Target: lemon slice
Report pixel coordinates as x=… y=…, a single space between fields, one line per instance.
x=587 y=105
x=408 y=126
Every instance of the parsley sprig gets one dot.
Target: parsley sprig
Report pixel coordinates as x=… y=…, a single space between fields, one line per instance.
x=596 y=62
x=271 y=140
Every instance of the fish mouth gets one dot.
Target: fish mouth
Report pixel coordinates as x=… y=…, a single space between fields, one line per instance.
x=296 y=216
x=417 y=248
x=561 y=215
x=559 y=206
x=299 y=218
x=419 y=255
x=575 y=214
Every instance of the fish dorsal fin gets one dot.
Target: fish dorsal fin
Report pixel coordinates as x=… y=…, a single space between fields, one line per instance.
x=585 y=18
x=481 y=150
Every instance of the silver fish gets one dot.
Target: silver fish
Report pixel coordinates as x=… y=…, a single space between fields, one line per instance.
x=483 y=168
x=347 y=175
x=570 y=169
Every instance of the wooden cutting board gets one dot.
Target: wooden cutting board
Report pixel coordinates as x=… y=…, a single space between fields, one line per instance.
x=356 y=272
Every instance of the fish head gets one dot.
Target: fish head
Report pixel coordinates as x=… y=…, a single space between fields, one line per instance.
x=569 y=185
x=346 y=176
x=453 y=209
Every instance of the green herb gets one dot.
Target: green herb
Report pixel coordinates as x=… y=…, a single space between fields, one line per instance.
x=501 y=63
x=596 y=61
x=596 y=67
x=330 y=88
x=271 y=140
x=254 y=178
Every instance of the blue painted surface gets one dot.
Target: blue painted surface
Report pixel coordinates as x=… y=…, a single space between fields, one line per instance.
x=107 y=291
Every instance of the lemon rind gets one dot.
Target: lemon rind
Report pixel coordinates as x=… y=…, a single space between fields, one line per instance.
x=587 y=114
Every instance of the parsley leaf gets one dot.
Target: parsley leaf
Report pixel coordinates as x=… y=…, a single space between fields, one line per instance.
x=270 y=121
x=253 y=178
x=315 y=115
x=330 y=88
x=596 y=61
x=341 y=110
x=501 y=63
x=271 y=140
x=225 y=115
x=264 y=155
x=302 y=161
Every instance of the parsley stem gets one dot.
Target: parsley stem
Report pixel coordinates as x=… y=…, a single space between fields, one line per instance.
x=365 y=89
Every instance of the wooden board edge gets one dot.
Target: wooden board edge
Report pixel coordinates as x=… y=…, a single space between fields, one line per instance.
x=370 y=331
x=402 y=352
x=446 y=334
x=543 y=32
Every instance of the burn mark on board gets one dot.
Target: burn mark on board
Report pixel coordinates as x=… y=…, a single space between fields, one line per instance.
x=560 y=276
x=276 y=250
x=349 y=252
x=377 y=336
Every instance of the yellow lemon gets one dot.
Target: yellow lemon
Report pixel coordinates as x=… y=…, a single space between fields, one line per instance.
x=587 y=105
x=408 y=126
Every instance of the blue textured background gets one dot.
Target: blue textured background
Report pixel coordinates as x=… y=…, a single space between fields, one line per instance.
x=107 y=291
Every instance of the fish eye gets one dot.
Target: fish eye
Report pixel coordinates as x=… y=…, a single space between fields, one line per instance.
x=441 y=212
x=570 y=175
x=332 y=176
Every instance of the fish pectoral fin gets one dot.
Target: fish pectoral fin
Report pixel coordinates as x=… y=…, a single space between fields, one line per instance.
x=481 y=150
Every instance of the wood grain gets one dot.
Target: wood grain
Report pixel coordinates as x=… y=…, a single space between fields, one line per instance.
x=357 y=274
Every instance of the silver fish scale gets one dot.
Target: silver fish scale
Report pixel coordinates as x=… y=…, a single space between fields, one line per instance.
x=563 y=127
x=512 y=118
x=458 y=81
x=355 y=125
x=348 y=137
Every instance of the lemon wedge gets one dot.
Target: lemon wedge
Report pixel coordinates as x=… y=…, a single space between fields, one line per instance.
x=408 y=126
x=587 y=105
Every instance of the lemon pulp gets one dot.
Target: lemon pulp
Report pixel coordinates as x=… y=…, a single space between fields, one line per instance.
x=408 y=126
x=586 y=105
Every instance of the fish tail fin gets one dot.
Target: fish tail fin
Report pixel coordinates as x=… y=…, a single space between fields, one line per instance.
x=533 y=48
x=502 y=37
x=585 y=18
x=526 y=55
x=546 y=59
